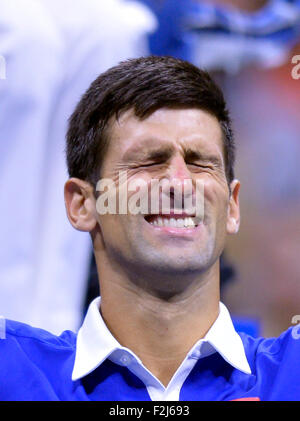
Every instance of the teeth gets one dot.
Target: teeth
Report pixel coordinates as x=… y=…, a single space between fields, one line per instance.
x=188 y=222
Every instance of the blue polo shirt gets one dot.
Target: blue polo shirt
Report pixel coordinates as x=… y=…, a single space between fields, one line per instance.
x=36 y=365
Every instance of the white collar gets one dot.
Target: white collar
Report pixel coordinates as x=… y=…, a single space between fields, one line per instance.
x=95 y=343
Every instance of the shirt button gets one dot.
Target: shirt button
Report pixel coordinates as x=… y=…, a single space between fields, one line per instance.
x=125 y=359
x=196 y=354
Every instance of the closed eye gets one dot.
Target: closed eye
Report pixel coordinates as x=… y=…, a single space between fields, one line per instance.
x=201 y=166
x=152 y=164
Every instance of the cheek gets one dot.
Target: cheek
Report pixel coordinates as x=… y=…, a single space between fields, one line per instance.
x=113 y=233
x=216 y=198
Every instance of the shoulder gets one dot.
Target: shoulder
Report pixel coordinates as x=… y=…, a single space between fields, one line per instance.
x=35 y=364
x=290 y=337
x=22 y=341
x=271 y=352
x=274 y=363
x=16 y=331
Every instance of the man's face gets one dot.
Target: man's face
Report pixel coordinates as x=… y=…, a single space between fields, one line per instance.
x=176 y=145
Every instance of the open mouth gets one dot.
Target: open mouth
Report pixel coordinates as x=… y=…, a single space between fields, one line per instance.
x=174 y=221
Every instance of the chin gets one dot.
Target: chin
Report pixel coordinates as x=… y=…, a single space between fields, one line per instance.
x=175 y=266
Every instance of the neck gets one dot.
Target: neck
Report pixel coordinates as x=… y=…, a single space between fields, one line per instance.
x=166 y=328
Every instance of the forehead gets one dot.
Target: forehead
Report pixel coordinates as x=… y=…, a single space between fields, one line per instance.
x=175 y=129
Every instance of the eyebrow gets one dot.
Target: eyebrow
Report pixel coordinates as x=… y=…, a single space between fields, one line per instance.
x=161 y=154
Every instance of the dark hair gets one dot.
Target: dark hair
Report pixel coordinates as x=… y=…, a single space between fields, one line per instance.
x=144 y=84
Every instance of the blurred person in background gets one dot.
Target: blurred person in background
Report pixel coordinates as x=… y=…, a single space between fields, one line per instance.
x=267 y=128
x=53 y=50
x=226 y=35
x=33 y=53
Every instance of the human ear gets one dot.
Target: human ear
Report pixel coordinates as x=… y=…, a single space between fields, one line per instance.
x=80 y=204
x=233 y=216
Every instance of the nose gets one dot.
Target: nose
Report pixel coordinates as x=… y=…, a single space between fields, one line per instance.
x=178 y=172
x=178 y=169
x=179 y=182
